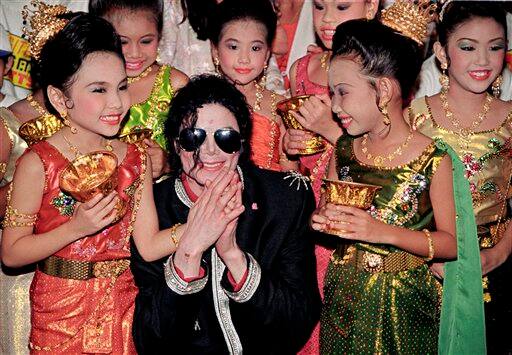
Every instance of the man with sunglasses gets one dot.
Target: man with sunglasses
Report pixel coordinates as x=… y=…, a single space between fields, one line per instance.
x=243 y=276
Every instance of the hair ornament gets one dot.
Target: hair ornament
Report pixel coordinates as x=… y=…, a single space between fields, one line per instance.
x=410 y=18
x=443 y=8
x=44 y=24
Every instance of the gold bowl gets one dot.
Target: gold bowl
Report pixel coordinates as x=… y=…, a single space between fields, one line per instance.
x=284 y=109
x=136 y=135
x=348 y=193
x=90 y=174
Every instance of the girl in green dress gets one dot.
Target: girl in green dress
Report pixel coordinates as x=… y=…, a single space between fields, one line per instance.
x=151 y=85
x=380 y=295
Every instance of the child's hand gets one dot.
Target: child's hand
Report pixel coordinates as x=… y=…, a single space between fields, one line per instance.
x=315 y=115
x=294 y=141
x=158 y=157
x=94 y=215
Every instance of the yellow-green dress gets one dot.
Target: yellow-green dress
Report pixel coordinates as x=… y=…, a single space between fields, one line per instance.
x=487 y=158
x=152 y=113
x=380 y=299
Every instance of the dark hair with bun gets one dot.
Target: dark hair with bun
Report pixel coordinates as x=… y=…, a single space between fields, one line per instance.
x=457 y=13
x=381 y=52
x=104 y=8
x=228 y=11
x=63 y=55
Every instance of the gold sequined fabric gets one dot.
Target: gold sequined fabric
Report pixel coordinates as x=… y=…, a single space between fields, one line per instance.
x=14 y=284
x=152 y=113
x=40 y=128
x=371 y=307
x=488 y=160
x=17 y=144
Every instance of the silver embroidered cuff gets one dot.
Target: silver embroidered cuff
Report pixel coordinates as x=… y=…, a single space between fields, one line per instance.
x=179 y=286
x=251 y=283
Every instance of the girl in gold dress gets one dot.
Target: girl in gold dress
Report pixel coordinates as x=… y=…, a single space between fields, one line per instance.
x=380 y=296
x=468 y=115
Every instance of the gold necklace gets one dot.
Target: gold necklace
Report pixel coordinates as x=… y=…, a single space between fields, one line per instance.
x=324 y=61
x=465 y=132
x=379 y=160
x=259 y=96
x=36 y=106
x=141 y=75
x=74 y=149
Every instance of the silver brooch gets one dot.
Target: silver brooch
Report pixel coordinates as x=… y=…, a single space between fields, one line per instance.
x=298 y=178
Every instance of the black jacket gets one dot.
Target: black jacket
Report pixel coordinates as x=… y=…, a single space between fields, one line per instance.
x=280 y=315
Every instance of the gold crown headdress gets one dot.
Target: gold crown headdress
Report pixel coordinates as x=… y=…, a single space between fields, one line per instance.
x=410 y=18
x=44 y=24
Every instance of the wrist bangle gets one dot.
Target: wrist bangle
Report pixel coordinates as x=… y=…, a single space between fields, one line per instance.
x=431 y=250
x=174 y=237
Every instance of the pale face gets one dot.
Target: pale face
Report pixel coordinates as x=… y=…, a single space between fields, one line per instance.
x=99 y=94
x=139 y=37
x=328 y=14
x=242 y=51
x=212 y=159
x=476 y=52
x=350 y=88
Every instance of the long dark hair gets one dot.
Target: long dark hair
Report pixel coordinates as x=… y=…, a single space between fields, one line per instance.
x=63 y=55
x=203 y=90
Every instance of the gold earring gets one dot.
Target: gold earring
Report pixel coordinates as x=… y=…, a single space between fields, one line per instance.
x=384 y=110
x=158 y=58
x=216 y=63
x=64 y=116
x=444 y=79
x=496 y=86
x=263 y=80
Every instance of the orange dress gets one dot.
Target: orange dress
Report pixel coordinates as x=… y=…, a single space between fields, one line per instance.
x=84 y=316
x=265 y=142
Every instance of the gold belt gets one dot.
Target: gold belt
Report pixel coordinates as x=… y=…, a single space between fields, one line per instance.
x=82 y=270
x=374 y=262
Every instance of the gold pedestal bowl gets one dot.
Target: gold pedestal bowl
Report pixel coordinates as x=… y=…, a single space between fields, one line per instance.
x=284 y=109
x=91 y=174
x=348 y=193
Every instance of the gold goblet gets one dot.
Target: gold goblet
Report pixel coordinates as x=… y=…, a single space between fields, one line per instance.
x=90 y=174
x=284 y=109
x=348 y=193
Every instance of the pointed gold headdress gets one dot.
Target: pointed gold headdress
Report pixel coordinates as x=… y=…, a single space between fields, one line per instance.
x=410 y=18
x=44 y=24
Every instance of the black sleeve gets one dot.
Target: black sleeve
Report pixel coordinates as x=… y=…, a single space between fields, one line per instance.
x=286 y=305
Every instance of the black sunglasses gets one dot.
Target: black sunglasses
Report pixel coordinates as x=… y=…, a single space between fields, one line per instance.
x=227 y=139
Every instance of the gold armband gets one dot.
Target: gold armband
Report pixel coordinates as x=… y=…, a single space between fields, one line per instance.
x=14 y=218
x=431 y=250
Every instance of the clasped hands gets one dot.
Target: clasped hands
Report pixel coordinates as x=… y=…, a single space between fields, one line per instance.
x=212 y=220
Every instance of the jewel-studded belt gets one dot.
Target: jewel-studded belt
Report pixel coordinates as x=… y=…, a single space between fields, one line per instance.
x=491 y=233
x=375 y=262
x=82 y=270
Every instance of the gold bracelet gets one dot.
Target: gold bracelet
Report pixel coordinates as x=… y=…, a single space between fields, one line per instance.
x=431 y=250
x=174 y=236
